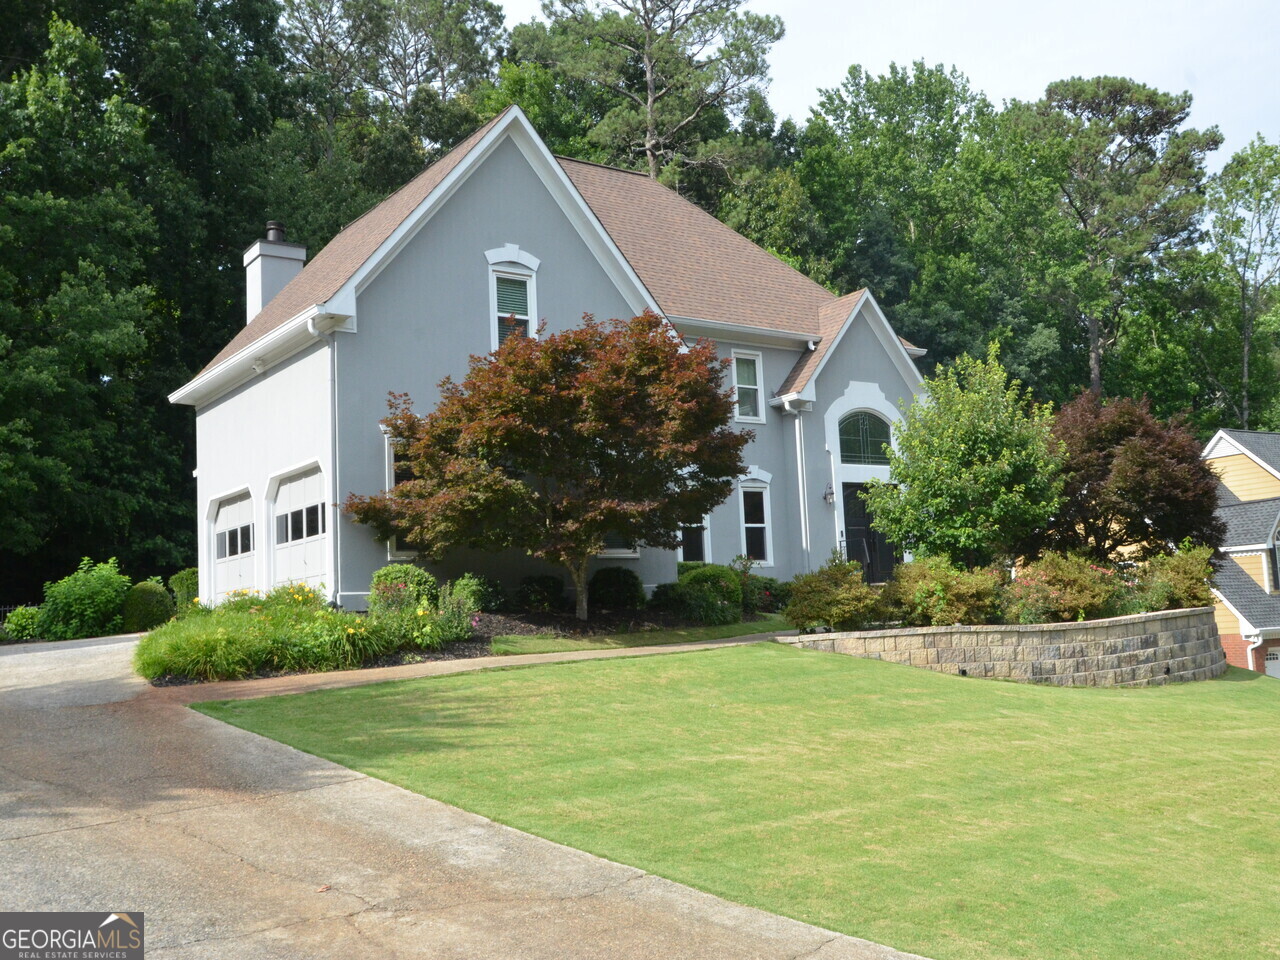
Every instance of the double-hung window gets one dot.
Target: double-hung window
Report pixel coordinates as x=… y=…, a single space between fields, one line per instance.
x=693 y=543
x=748 y=398
x=757 y=538
x=513 y=293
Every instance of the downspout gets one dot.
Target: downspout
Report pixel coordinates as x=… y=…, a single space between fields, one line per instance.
x=1254 y=644
x=334 y=525
x=800 y=482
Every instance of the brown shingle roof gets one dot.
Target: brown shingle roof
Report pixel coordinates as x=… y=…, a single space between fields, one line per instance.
x=346 y=253
x=831 y=317
x=692 y=264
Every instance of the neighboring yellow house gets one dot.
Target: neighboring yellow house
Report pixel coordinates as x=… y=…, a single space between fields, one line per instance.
x=1247 y=587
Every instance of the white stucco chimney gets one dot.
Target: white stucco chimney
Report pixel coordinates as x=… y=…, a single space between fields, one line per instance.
x=268 y=265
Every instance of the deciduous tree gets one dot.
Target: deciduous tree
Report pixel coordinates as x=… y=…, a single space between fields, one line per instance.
x=1245 y=203
x=551 y=444
x=1134 y=486
x=975 y=471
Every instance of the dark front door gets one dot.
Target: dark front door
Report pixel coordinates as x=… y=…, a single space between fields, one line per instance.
x=869 y=547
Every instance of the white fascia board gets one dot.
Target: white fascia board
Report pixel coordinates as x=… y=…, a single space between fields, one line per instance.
x=1220 y=439
x=262 y=354
x=1245 y=548
x=884 y=333
x=517 y=128
x=741 y=333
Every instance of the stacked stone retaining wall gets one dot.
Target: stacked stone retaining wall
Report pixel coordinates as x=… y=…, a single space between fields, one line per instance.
x=1151 y=648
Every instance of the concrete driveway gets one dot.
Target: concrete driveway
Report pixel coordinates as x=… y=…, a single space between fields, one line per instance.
x=115 y=796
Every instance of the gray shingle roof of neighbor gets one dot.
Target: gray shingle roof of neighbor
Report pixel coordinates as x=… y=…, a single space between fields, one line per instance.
x=1260 y=608
x=1264 y=446
x=1226 y=498
x=1251 y=522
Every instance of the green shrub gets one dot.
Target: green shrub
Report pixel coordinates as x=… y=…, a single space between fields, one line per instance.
x=453 y=619
x=22 y=624
x=1061 y=588
x=710 y=594
x=87 y=603
x=931 y=593
x=401 y=586
x=484 y=594
x=1179 y=580
x=616 y=588
x=185 y=586
x=543 y=593
x=773 y=594
x=835 y=596
x=289 y=630
x=146 y=605
x=665 y=597
x=684 y=566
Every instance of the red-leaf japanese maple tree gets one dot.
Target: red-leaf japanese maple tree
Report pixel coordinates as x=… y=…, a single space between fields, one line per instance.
x=1136 y=486
x=550 y=444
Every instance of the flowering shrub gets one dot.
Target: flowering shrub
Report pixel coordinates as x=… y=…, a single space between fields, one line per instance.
x=930 y=592
x=1060 y=587
x=454 y=619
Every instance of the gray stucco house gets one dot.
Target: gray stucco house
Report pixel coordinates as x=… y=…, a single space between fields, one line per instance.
x=288 y=413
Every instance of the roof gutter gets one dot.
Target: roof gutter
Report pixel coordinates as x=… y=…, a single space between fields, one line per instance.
x=281 y=343
x=743 y=333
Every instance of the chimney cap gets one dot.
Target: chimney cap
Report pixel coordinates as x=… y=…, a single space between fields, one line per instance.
x=275 y=231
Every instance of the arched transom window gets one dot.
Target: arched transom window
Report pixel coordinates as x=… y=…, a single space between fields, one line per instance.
x=863 y=438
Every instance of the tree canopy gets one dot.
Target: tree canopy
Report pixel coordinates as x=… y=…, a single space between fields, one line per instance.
x=976 y=469
x=552 y=444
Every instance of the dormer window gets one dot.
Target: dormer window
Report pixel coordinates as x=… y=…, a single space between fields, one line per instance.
x=513 y=302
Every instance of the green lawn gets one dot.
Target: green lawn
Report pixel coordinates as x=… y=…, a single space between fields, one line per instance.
x=772 y=622
x=949 y=817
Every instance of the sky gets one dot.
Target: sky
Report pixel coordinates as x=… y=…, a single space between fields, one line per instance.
x=1226 y=53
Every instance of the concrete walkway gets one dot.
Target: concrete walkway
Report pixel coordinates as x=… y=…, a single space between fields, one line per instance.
x=114 y=796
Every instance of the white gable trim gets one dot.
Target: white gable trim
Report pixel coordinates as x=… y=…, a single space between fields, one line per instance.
x=310 y=326
x=866 y=305
x=513 y=126
x=1220 y=439
x=1234 y=612
x=510 y=253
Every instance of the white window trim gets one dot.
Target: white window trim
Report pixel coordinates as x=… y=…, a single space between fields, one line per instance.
x=510 y=261
x=394 y=550
x=632 y=554
x=762 y=486
x=706 y=542
x=759 y=387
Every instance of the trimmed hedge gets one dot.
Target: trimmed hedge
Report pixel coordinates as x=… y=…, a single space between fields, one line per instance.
x=185 y=586
x=146 y=605
x=543 y=593
x=401 y=586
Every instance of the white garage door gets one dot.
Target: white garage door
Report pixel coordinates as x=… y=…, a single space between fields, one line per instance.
x=233 y=538
x=1273 y=662
x=300 y=532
